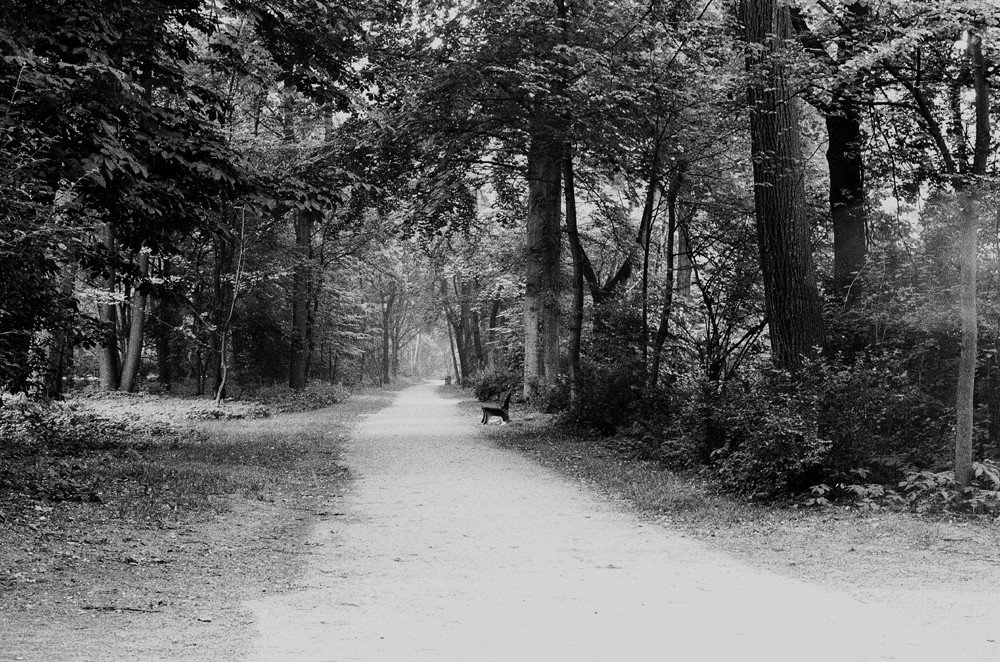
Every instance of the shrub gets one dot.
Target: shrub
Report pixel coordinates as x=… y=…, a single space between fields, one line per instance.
x=776 y=433
x=928 y=491
x=771 y=443
x=875 y=417
x=494 y=383
x=607 y=394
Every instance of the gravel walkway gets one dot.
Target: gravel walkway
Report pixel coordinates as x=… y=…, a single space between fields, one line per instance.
x=449 y=548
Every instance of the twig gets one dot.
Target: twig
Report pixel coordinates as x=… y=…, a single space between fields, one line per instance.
x=114 y=608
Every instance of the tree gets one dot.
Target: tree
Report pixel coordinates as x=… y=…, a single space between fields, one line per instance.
x=794 y=312
x=841 y=98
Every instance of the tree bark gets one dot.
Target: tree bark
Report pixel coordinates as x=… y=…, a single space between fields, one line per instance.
x=575 y=323
x=794 y=311
x=387 y=312
x=847 y=199
x=454 y=358
x=969 y=208
x=109 y=364
x=848 y=211
x=663 y=328
x=541 y=300
x=136 y=330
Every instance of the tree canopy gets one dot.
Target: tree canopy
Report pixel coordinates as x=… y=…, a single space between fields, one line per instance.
x=712 y=225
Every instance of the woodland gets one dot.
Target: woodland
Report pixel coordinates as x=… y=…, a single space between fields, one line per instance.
x=757 y=239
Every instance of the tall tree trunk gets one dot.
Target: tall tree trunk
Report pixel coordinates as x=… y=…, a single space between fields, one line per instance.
x=663 y=328
x=300 y=300
x=965 y=388
x=541 y=299
x=136 y=329
x=109 y=361
x=794 y=311
x=969 y=208
x=684 y=269
x=575 y=320
x=454 y=357
x=847 y=198
x=387 y=311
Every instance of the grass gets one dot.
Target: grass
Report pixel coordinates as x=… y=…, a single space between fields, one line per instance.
x=143 y=459
x=128 y=502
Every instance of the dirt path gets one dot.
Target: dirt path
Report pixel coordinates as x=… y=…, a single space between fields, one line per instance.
x=449 y=548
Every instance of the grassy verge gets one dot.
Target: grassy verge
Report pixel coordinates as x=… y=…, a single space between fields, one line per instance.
x=111 y=516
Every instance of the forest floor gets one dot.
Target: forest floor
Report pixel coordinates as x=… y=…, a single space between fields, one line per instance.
x=413 y=532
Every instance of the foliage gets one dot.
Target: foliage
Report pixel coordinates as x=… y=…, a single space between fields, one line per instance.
x=494 y=383
x=43 y=446
x=777 y=433
x=928 y=491
x=771 y=441
x=608 y=392
x=231 y=410
x=316 y=396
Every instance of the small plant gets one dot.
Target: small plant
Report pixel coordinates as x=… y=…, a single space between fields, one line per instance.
x=928 y=491
x=870 y=496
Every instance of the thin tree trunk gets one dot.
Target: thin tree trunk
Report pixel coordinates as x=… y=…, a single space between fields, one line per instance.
x=301 y=291
x=969 y=208
x=108 y=357
x=387 y=312
x=575 y=320
x=663 y=328
x=136 y=330
x=965 y=389
x=223 y=295
x=684 y=268
x=794 y=311
x=226 y=322
x=454 y=358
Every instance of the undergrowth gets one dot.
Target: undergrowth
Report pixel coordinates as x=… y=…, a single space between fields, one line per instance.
x=315 y=396
x=923 y=492
x=148 y=473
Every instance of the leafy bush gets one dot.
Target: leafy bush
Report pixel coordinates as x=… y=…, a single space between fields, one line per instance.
x=928 y=491
x=607 y=393
x=875 y=417
x=771 y=443
x=494 y=383
x=829 y=425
